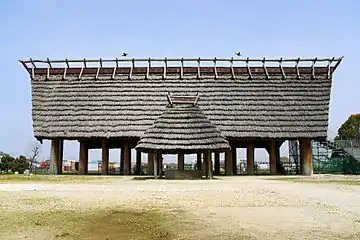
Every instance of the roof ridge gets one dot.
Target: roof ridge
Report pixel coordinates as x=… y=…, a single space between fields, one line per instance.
x=332 y=64
x=182 y=99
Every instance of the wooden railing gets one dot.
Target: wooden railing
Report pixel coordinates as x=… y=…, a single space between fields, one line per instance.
x=146 y=66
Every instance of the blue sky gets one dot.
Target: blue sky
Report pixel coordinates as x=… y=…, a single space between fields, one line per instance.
x=94 y=29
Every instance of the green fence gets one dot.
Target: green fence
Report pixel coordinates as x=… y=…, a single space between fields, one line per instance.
x=335 y=157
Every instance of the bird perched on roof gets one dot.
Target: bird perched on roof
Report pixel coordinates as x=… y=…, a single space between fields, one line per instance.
x=124 y=54
x=238 y=54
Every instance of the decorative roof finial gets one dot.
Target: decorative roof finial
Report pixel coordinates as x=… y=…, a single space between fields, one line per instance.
x=178 y=99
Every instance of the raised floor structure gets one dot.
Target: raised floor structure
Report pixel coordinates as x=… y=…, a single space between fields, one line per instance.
x=253 y=103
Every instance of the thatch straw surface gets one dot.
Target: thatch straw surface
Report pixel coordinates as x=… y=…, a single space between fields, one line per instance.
x=182 y=127
x=239 y=108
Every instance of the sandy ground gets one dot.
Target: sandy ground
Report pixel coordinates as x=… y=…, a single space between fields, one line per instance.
x=252 y=206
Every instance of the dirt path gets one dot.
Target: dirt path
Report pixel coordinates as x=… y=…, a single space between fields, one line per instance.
x=250 y=207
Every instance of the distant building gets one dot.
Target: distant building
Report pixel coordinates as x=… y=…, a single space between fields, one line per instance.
x=67 y=166
x=45 y=164
x=111 y=168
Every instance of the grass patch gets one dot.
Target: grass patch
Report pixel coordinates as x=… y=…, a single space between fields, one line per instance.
x=91 y=224
x=305 y=180
x=283 y=178
x=37 y=201
x=8 y=178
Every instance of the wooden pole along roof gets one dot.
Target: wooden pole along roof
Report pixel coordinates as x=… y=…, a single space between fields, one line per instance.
x=233 y=66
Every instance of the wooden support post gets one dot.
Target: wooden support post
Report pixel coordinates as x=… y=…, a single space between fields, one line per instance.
x=250 y=158
x=127 y=158
x=150 y=164
x=203 y=164
x=155 y=160
x=160 y=161
x=272 y=156
x=83 y=158
x=306 y=157
x=234 y=159
x=56 y=157
x=206 y=165
x=138 y=169
x=228 y=163
x=278 y=163
x=121 y=161
x=198 y=162
x=61 y=156
x=210 y=166
x=181 y=161
x=217 y=164
x=105 y=157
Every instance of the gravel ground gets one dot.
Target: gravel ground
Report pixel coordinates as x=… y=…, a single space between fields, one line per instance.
x=253 y=206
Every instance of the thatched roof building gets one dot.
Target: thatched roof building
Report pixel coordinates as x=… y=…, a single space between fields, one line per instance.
x=182 y=127
x=111 y=103
x=287 y=103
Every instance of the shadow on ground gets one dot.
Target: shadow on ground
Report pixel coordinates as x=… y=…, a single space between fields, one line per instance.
x=143 y=178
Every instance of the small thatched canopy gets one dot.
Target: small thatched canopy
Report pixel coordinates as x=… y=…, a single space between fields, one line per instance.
x=182 y=127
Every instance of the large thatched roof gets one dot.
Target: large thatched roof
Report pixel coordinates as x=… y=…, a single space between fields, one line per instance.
x=106 y=105
x=183 y=126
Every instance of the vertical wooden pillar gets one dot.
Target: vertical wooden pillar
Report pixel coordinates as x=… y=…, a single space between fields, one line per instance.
x=126 y=152
x=83 y=158
x=210 y=166
x=217 y=164
x=121 y=161
x=104 y=157
x=234 y=159
x=198 y=162
x=56 y=157
x=206 y=164
x=155 y=161
x=150 y=164
x=306 y=157
x=181 y=161
x=250 y=158
x=61 y=156
x=228 y=163
x=160 y=161
x=138 y=169
x=278 y=163
x=272 y=156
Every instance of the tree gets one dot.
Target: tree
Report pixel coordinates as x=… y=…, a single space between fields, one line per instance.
x=6 y=163
x=20 y=164
x=284 y=159
x=350 y=129
x=35 y=152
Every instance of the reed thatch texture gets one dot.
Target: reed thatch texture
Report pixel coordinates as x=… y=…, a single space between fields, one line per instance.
x=182 y=126
x=240 y=108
